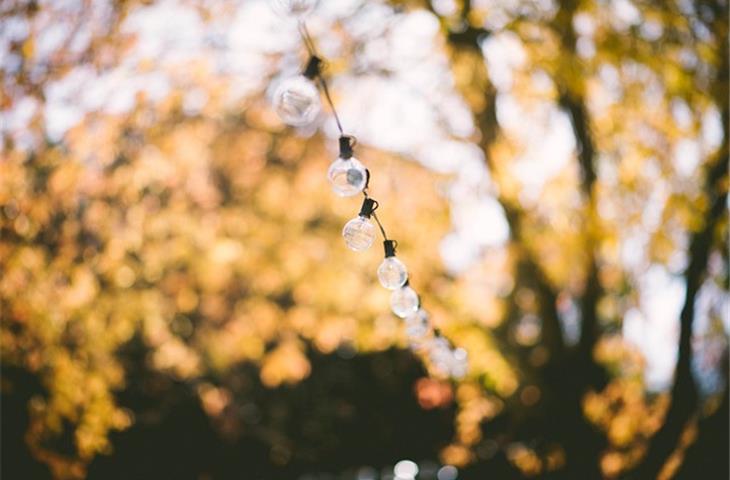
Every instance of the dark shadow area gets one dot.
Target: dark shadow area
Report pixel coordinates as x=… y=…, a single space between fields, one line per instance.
x=351 y=412
x=348 y=413
x=16 y=461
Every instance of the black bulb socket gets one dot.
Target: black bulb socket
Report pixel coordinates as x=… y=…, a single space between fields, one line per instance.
x=346 y=147
x=389 y=246
x=313 y=68
x=368 y=207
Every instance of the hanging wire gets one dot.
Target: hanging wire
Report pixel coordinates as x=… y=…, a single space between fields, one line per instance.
x=312 y=50
x=307 y=39
x=331 y=103
x=382 y=230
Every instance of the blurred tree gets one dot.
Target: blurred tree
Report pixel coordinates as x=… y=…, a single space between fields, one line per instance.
x=573 y=372
x=176 y=301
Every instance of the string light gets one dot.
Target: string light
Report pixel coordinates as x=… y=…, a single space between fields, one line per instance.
x=359 y=233
x=346 y=174
x=295 y=8
x=298 y=103
x=440 y=354
x=459 y=363
x=392 y=273
x=417 y=327
x=296 y=99
x=404 y=301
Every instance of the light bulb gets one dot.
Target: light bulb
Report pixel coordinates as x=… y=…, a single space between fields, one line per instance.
x=417 y=326
x=296 y=100
x=391 y=272
x=440 y=355
x=296 y=8
x=459 y=363
x=404 y=301
x=359 y=233
x=348 y=176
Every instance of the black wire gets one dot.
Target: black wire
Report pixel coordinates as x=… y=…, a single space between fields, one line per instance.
x=326 y=91
x=312 y=50
x=307 y=39
x=382 y=230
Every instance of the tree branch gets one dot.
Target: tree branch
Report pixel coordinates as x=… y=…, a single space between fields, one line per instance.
x=684 y=391
x=546 y=294
x=712 y=444
x=580 y=122
x=566 y=376
x=469 y=38
x=574 y=104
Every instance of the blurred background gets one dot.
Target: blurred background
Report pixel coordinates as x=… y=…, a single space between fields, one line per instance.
x=177 y=301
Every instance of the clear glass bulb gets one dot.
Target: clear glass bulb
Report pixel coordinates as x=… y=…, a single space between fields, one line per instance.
x=347 y=176
x=296 y=8
x=392 y=273
x=417 y=326
x=459 y=363
x=359 y=233
x=404 y=301
x=296 y=100
x=440 y=355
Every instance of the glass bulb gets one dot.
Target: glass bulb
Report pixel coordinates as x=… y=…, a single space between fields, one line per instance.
x=404 y=301
x=417 y=327
x=296 y=8
x=459 y=363
x=296 y=100
x=359 y=234
x=347 y=176
x=440 y=354
x=392 y=273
